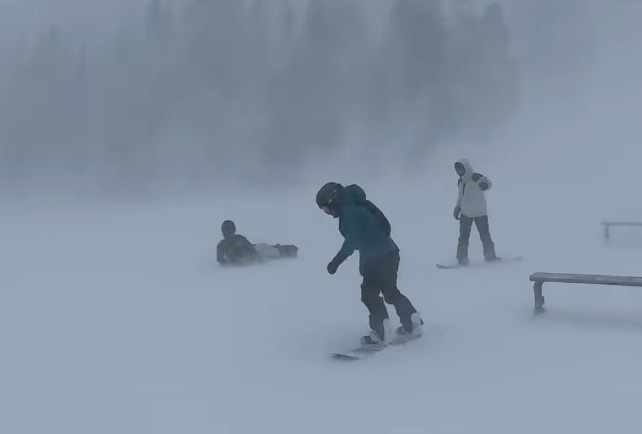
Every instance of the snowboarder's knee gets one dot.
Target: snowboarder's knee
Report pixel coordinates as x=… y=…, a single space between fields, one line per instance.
x=369 y=294
x=392 y=295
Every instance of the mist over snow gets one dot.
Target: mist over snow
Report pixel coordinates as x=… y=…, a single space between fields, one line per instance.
x=129 y=130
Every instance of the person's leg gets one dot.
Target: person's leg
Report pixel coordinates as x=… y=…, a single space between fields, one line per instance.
x=465 y=225
x=484 y=234
x=370 y=297
x=389 y=272
x=266 y=251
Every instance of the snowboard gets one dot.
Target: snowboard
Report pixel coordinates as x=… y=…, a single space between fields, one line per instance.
x=480 y=263
x=361 y=352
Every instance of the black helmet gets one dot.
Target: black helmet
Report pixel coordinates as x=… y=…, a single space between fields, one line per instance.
x=328 y=195
x=228 y=228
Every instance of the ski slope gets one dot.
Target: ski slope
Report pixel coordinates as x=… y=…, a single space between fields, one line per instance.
x=116 y=319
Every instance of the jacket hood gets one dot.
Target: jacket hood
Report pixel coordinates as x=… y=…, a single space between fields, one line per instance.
x=228 y=228
x=354 y=194
x=468 y=167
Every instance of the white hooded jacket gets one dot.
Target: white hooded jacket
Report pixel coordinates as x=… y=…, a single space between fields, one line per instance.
x=471 y=199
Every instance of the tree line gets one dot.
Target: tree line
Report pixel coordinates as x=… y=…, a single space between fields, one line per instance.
x=226 y=90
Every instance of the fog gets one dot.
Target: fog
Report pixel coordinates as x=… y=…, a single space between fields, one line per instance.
x=130 y=130
x=135 y=100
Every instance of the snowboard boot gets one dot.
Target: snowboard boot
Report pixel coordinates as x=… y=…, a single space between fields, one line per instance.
x=489 y=251
x=413 y=329
x=462 y=252
x=287 y=250
x=377 y=338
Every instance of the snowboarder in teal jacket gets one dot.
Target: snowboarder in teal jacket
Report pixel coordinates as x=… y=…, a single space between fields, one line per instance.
x=366 y=229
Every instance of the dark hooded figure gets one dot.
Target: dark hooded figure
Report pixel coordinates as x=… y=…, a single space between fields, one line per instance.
x=472 y=208
x=234 y=249
x=366 y=229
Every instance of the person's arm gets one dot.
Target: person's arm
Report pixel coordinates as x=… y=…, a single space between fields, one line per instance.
x=483 y=182
x=220 y=254
x=457 y=210
x=352 y=231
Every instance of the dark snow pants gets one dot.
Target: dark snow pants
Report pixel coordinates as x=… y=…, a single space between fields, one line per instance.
x=465 y=226
x=380 y=276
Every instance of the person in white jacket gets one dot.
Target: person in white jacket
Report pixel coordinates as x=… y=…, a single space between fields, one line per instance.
x=471 y=207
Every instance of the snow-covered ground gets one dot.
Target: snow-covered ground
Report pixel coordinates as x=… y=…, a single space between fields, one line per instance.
x=116 y=319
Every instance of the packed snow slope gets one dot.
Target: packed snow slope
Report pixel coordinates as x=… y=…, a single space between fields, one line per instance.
x=116 y=319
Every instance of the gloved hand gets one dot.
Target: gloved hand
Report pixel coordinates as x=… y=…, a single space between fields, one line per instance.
x=334 y=265
x=456 y=212
x=483 y=185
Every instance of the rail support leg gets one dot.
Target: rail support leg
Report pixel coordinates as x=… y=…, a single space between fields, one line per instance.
x=539 y=298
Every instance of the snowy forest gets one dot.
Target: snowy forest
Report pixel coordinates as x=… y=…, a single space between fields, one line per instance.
x=208 y=92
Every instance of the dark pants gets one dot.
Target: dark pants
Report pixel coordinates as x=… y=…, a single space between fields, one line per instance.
x=380 y=276
x=465 y=226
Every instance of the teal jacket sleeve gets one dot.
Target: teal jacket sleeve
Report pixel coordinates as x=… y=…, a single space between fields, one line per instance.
x=352 y=232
